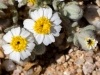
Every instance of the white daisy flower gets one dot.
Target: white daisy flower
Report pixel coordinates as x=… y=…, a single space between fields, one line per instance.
x=90 y=43
x=44 y=25
x=19 y=1
x=32 y=1
x=20 y=44
x=61 y=0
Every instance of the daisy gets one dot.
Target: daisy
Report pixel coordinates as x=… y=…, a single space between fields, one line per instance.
x=90 y=43
x=19 y=44
x=19 y=1
x=44 y=25
x=32 y=1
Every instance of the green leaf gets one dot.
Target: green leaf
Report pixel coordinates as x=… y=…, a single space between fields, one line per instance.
x=3 y=6
x=65 y=13
x=10 y=2
x=70 y=39
x=89 y=27
x=74 y=24
x=75 y=41
x=15 y=17
x=54 y=3
x=39 y=49
x=24 y=1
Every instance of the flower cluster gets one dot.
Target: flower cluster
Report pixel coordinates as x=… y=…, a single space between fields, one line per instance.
x=43 y=28
x=43 y=24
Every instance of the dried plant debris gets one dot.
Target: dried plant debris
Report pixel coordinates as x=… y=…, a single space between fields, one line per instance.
x=49 y=37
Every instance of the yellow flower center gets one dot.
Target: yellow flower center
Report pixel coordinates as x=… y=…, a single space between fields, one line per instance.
x=42 y=25
x=18 y=43
x=32 y=1
x=90 y=42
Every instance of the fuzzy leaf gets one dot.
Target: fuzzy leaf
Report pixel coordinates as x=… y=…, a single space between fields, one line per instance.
x=55 y=5
x=2 y=6
x=24 y=1
x=65 y=13
x=39 y=49
x=75 y=41
x=74 y=24
x=15 y=16
x=70 y=39
x=89 y=27
x=11 y=2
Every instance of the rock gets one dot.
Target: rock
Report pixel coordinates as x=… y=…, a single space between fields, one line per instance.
x=60 y=59
x=97 y=64
x=1 y=53
x=30 y=71
x=88 y=68
x=67 y=57
x=38 y=70
x=94 y=73
x=71 y=50
x=28 y=65
x=8 y=65
x=67 y=72
x=79 y=62
x=98 y=2
x=92 y=15
x=17 y=71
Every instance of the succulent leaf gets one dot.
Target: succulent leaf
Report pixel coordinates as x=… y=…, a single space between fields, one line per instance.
x=39 y=49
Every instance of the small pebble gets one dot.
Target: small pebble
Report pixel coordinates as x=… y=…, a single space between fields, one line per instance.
x=8 y=65
x=60 y=59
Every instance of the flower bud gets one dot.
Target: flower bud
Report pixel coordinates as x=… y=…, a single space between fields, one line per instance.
x=73 y=10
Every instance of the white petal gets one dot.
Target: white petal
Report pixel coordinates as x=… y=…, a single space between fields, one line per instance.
x=39 y=38
x=8 y=37
x=57 y=21
x=51 y=37
x=19 y=1
x=46 y=40
x=34 y=15
x=28 y=24
x=15 y=31
x=24 y=33
x=55 y=30
x=7 y=48
x=40 y=12
x=54 y=17
x=49 y=13
x=31 y=46
x=45 y=12
x=15 y=56
x=23 y=55
x=28 y=53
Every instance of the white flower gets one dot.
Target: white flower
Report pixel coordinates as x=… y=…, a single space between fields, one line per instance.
x=86 y=40
x=61 y=0
x=43 y=25
x=90 y=43
x=19 y=1
x=20 y=44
